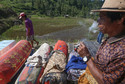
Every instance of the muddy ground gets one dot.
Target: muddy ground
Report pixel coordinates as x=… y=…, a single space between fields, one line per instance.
x=73 y=34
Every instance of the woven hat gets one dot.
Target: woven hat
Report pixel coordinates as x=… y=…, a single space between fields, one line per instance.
x=112 y=6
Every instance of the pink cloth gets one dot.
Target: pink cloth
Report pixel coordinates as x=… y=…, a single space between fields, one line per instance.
x=28 y=24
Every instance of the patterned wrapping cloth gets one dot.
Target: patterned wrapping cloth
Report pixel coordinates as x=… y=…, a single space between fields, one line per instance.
x=73 y=67
x=5 y=45
x=13 y=59
x=74 y=74
x=40 y=57
x=30 y=75
x=54 y=69
x=61 y=46
x=55 y=78
x=32 y=72
x=73 y=53
x=87 y=78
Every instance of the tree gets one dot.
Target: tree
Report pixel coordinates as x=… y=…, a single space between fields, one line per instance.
x=57 y=7
x=32 y=4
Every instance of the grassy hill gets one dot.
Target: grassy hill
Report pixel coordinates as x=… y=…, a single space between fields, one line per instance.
x=7 y=18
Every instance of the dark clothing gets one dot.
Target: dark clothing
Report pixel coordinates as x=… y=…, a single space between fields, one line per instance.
x=100 y=36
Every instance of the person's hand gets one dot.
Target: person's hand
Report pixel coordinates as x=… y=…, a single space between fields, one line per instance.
x=82 y=50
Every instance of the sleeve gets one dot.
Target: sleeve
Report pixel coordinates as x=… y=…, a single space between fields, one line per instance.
x=115 y=70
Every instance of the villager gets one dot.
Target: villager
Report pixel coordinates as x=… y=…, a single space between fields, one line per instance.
x=29 y=28
x=108 y=66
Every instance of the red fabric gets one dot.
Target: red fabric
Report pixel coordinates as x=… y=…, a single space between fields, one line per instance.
x=5 y=49
x=12 y=60
x=41 y=73
x=2 y=79
x=25 y=74
x=62 y=46
x=47 y=82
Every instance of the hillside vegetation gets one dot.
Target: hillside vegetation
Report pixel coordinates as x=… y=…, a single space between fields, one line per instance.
x=54 y=8
x=7 y=18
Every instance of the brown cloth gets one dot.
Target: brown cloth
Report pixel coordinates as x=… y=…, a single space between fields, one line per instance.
x=87 y=78
x=56 y=64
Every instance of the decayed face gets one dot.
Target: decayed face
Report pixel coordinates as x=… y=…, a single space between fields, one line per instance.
x=105 y=24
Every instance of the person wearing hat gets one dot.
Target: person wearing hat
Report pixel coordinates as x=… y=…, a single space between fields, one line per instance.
x=29 y=28
x=108 y=66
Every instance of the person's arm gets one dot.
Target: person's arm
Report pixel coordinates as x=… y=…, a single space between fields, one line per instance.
x=97 y=74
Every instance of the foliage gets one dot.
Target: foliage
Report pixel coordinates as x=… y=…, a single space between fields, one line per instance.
x=54 y=8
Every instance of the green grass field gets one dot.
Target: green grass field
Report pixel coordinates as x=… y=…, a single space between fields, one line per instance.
x=44 y=25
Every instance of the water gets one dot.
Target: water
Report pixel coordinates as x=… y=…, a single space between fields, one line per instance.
x=76 y=33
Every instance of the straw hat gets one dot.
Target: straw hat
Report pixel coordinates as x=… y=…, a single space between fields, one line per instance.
x=112 y=6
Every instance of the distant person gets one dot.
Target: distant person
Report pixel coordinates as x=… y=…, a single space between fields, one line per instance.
x=29 y=28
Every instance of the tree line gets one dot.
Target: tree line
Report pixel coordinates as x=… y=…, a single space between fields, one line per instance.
x=53 y=8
